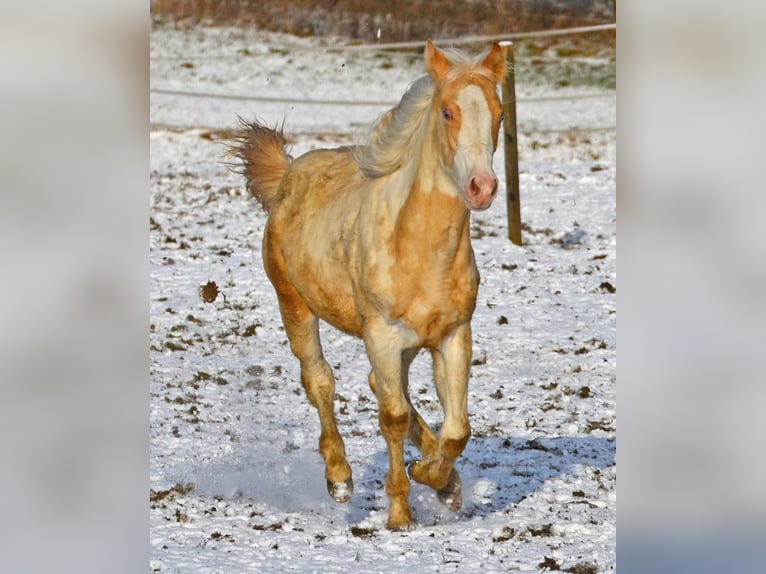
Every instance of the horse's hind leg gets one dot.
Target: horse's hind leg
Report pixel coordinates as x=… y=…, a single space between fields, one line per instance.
x=451 y=369
x=302 y=328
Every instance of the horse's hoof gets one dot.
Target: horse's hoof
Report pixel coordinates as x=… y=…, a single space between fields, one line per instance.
x=341 y=491
x=410 y=467
x=403 y=527
x=451 y=495
x=402 y=524
x=453 y=500
x=415 y=471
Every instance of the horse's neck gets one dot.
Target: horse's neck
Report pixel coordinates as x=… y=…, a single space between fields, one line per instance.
x=433 y=217
x=421 y=209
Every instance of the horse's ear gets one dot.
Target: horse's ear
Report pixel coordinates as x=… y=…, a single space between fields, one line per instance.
x=495 y=62
x=437 y=63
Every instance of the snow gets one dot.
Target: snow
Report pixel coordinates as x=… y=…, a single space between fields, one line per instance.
x=237 y=482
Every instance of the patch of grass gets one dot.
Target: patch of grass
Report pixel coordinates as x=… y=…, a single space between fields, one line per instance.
x=548 y=563
x=506 y=534
x=177 y=489
x=361 y=532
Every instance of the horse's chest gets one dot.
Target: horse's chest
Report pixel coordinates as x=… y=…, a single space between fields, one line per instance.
x=430 y=324
x=428 y=289
x=433 y=313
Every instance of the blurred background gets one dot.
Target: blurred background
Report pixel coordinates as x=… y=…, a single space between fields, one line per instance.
x=207 y=66
x=391 y=21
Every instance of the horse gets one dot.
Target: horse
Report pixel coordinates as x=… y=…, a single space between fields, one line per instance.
x=375 y=240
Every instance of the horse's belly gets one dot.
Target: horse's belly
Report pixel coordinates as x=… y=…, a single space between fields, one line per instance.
x=325 y=285
x=338 y=309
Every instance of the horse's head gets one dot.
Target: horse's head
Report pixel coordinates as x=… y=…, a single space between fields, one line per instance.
x=469 y=111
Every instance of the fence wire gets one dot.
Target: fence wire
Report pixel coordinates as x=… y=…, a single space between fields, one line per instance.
x=379 y=103
x=308 y=101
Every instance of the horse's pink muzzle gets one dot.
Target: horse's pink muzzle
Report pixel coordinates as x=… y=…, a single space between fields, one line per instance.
x=481 y=191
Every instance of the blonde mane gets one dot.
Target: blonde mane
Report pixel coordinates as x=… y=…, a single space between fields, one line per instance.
x=397 y=134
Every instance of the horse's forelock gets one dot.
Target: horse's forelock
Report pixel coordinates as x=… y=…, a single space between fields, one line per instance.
x=465 y=64
x=468 y=68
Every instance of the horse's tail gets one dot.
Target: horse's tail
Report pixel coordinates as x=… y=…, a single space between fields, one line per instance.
x=264 y=158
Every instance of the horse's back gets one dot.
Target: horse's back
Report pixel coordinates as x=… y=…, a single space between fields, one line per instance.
x=318 y=175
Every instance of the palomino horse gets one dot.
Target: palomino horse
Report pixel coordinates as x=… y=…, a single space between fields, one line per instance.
x=375 y=240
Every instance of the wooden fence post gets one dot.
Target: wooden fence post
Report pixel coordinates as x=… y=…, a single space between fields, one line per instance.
x=510 y=146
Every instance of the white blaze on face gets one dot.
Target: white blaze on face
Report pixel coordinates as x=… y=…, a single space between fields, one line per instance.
x=473 y=158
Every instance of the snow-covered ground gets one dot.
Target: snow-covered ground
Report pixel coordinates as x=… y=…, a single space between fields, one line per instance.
x=237 y=483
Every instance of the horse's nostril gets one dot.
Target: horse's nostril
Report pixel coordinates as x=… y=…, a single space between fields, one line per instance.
x=482 y=185
x=474 y=188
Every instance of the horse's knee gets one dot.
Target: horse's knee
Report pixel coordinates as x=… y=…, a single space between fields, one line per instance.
x=394 y=424
x=439 y=473
x=452 y=448
x=304 y=342
x=453 y=442
x=318 y=380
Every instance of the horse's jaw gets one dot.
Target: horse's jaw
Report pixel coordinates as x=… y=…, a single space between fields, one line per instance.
x=477 y=208
x=476 y=195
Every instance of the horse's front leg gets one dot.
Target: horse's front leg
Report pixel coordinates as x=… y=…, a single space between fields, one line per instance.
x=452 y=365
x=420 y=434
x=385 y=346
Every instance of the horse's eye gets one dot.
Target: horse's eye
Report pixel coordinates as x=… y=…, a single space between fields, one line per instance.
x=447 y=114
x=502 y=117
